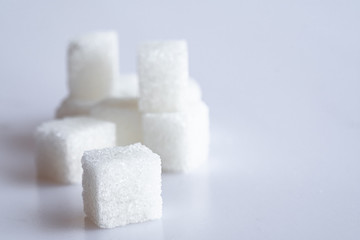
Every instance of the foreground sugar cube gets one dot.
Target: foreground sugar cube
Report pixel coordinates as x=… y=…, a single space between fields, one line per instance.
x=180 y=138
x=163 y=75
x=72 y=107
x=124 y=113
x=93 y=66
x=122 y=185
x=61 y=144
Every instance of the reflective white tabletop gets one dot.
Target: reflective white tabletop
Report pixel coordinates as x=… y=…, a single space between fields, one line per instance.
x=282 y=80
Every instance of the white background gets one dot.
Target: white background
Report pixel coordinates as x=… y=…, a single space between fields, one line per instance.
x=282 y=79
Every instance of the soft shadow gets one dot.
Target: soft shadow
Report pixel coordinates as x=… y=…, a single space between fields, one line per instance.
x=89 y=225
x=60 y=219
x=17 y=146
x=19 y=136
x=186 y=196
x=60 y=206
x=145 y=230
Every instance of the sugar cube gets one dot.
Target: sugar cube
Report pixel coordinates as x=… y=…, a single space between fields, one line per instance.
x=127 y=86
x=163 y=75
x=61 y=144
x=93 y=66
x=124 y=113
x=72 y=107
x=192 y=95
x=122 y=185
x=180 y=138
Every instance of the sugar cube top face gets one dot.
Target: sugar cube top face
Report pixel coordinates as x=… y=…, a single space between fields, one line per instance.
x=163 y=75
x=180 y=138
x=122 y=185
x=124 y=113
x=61 y=143
x=93 y=65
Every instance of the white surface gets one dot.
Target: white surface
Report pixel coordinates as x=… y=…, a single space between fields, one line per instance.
x=282 y=79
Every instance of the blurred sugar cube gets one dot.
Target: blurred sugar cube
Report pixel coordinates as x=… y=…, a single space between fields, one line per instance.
x=163 y=75
x=61 y=144
x=180 y=138
x=124 y=113
x=93 y=66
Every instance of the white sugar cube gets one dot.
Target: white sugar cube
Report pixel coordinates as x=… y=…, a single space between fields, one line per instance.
x=72 y=107
x=192 y=95
x=61 y=144
x=93 y=66
x=180 y=138
x=122 y=185
x=163 y=75
x=127 y=86
x=124 y=113
x=195 y=88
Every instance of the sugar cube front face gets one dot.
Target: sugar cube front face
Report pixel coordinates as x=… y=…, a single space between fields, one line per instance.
x=122 y=185
x=93 y=66
x=180 y=138
x=61 y=144
x=72 y=107
x=163 y=75
x=124 y=113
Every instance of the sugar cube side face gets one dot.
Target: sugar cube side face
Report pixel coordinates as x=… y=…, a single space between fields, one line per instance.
x=195 y=89
x=61 y=143
x=180 y=138
x=93 y=66
x=122 y=185
x=163 y=75
x=127 y=86
x=192 y=95
x=72 y=107
x=124 y=113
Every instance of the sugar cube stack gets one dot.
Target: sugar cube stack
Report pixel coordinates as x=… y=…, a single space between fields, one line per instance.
x=160 y=106
x=124 y=113
x=175 y=121
x=122 y=185
x=61 y=144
